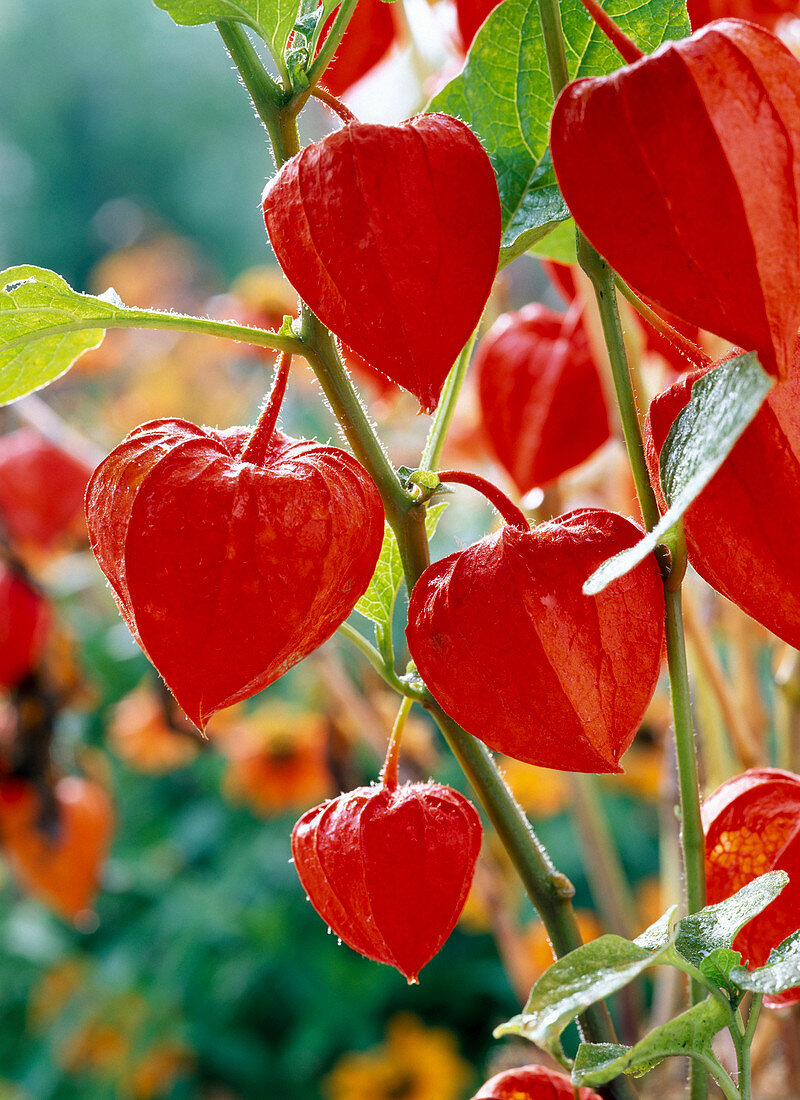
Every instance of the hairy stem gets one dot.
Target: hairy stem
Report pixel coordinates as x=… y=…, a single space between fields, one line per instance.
x=443 y=417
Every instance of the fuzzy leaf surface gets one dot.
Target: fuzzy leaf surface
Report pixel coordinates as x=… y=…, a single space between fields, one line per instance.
x=781 y=971
x=576 y=981
x=717 y=926
x=722 y=404
x=504 y=94
x=598 y=1063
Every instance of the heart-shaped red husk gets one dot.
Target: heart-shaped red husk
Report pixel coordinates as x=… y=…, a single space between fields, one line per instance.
x=532 y=1083
x=511 y=648
x=389 y=869
x=743 y=531
x=664 y=167
x=24 y=620
x=541 y=398
x=229 y=571
x=391 y=234
x=752 y=825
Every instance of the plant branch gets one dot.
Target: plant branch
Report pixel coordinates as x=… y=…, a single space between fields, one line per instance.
x=720 y=1075
x=368 y=650
x=329 y=47
x=685 y=346
x=264 y=92
x=443 y=417
x=171 y=322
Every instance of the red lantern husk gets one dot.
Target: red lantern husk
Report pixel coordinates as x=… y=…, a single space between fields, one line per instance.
x=389 y=869
x=510 y=647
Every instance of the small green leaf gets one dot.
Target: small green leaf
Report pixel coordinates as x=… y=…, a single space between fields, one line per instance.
x=577 y=980
x=272 y=20
x=504 y=94
x=717 y=968
x=722 y=404
x=599 y=1063
x=780 y=972
x=558 y=244
x=377 y=603
x=717 y=926
x=37 y=310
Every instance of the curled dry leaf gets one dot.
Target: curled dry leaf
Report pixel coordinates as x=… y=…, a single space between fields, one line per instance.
x=231 y=556
x=743 y=530
x=718 y=246
x=511 y=648
x=41 y=490
x=752 y=826
x=389 y=869
x=24 y=621
x=340 y=217
x=541 y=397
x=532 y=1083
x=58 y=862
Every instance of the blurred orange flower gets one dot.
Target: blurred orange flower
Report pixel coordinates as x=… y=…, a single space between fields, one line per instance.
x=140 y=733
x=154 y=1074
x=415 y=1063
x=277 y=760
x=539 y=791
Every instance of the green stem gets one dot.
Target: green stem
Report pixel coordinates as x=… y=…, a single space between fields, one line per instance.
x=691 y=824
x=718 y=1072
x=329 y=46
x=375 y=658
x=443 y=417
x=172 y=322
x=602 y=280
x=264 y=92
x=553 y=34
x=743 y=1048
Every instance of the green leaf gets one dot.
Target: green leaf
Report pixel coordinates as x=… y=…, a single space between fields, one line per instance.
x=780 y=972
x=504 y=95
x=37 y=309
x=599 y=1063
x=722 y=404
x=717 y=968
x=658 y=934
x=577 y=980
x=558 y=244
x=272 y=20
x=717 y=926
x=377 y=603
x=45 y=326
